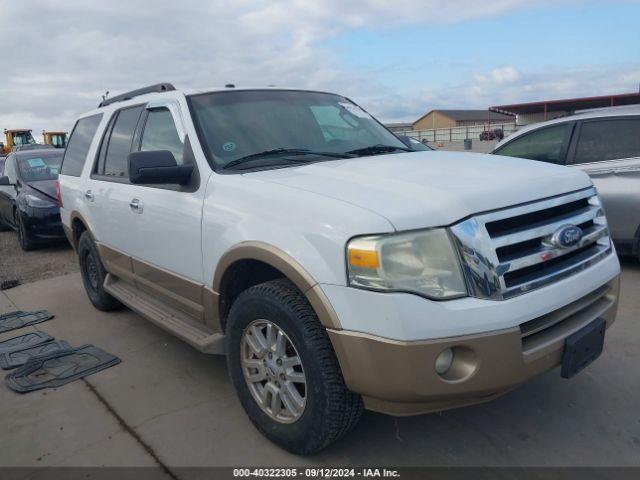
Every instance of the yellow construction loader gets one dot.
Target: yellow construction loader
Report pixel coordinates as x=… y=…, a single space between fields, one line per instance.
x=57 y=139
x=14 y=138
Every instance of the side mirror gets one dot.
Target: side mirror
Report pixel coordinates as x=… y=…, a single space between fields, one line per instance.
x=157 y=167
x=4 y=181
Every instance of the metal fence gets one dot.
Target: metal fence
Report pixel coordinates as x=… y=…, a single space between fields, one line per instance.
x=457 y=134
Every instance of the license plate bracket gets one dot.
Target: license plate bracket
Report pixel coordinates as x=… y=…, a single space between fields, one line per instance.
x=583 y=347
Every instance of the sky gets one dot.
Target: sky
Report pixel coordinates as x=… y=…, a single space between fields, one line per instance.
x=397 y=59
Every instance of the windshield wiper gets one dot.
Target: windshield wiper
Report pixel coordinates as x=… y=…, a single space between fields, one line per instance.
x=285 y=152
x=377 y=149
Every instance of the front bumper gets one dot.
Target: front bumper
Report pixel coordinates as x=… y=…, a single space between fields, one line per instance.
x=399 y=377
x=43 y=223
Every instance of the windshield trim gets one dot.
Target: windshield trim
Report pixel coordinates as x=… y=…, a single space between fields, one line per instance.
x=219 y=169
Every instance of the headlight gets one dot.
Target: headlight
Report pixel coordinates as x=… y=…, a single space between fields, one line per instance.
x=423 y=262
x=37 y=202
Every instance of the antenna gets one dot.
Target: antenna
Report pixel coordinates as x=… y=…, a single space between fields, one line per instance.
x=106 y=94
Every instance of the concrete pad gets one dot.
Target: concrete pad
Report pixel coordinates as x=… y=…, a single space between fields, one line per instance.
x=65 y=426
x=180 y=404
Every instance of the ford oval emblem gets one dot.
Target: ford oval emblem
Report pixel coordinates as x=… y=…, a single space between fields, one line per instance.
x=566 y=236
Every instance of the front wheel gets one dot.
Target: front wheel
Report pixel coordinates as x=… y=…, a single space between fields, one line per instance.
x=285 y=371
x=25 y=240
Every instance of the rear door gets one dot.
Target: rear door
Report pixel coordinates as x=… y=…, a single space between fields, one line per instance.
x=608 y=149
x=108 y=192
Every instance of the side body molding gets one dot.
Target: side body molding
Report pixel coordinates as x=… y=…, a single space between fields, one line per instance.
x=289 y=267
x=201 y=302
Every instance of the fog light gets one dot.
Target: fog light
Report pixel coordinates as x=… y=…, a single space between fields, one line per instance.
x=444 y=361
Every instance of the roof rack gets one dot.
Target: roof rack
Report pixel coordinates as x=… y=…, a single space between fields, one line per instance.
x=157 y=88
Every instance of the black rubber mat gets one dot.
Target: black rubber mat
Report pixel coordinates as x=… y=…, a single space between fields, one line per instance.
x=27 y=340
x=17 y=358
x=58 y=368
x=13 y=320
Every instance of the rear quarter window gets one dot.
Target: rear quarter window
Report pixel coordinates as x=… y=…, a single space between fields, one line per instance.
x=79 y=144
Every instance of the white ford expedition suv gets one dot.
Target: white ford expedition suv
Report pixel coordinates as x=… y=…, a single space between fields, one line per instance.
x=336 y=268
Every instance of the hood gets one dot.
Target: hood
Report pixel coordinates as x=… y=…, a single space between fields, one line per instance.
x=45 y=187
x=428 y=189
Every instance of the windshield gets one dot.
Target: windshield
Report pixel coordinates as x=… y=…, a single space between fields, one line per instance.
x=39 y=168
x=236 y=124
x=23 y=138
x=59 y=140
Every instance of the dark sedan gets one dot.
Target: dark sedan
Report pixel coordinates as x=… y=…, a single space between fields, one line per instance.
x=28 y=201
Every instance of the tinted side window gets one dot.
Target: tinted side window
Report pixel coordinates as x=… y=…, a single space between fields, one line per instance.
x=119 y=146
x=160 y=134
x=608 y=140
x=79 y=143
x=546 y=144
x=1 y=167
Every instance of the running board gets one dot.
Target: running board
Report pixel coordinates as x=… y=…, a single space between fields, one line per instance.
x=165 y=316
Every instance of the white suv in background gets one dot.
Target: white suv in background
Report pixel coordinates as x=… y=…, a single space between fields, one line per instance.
x=336 y=268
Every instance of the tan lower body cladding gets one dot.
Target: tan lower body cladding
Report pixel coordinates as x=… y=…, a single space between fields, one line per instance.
x=200 y=302
x=399 y=378
x=194 y=299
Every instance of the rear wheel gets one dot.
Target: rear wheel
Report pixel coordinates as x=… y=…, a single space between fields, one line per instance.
x=93 y=275
x=285 y=371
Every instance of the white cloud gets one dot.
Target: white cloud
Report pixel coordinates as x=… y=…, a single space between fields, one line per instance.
x=59 y=57
x=505 y=75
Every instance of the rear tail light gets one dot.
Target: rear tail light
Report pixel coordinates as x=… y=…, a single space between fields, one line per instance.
x=58 y=194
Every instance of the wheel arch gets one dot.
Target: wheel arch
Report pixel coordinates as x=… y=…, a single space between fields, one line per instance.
x=250 y=263
x=77 y=226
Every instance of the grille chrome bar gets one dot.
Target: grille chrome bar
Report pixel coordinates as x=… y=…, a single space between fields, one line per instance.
x=546 y=253
x=535 y=206
x=518 y=256
x=558 y=274
x=590 y=213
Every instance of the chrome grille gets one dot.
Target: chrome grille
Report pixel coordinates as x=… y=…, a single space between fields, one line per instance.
x=511 y=251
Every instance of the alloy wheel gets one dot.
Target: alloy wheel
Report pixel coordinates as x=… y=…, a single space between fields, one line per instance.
x=273 y=371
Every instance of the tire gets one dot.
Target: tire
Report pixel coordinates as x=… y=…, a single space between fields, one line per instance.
x=330 y=409
x=93 y=275
x=25 y=241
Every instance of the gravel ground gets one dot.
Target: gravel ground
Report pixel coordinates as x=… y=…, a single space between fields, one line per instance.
x=45 y=262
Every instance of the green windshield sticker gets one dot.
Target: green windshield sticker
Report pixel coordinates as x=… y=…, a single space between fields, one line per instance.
x=229 y=146
x=36 y=162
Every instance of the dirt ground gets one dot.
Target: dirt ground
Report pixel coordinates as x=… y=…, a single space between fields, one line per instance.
x=46 y=262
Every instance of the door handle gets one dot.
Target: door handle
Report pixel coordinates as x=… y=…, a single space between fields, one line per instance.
x=89 y=195
x=136 y=205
